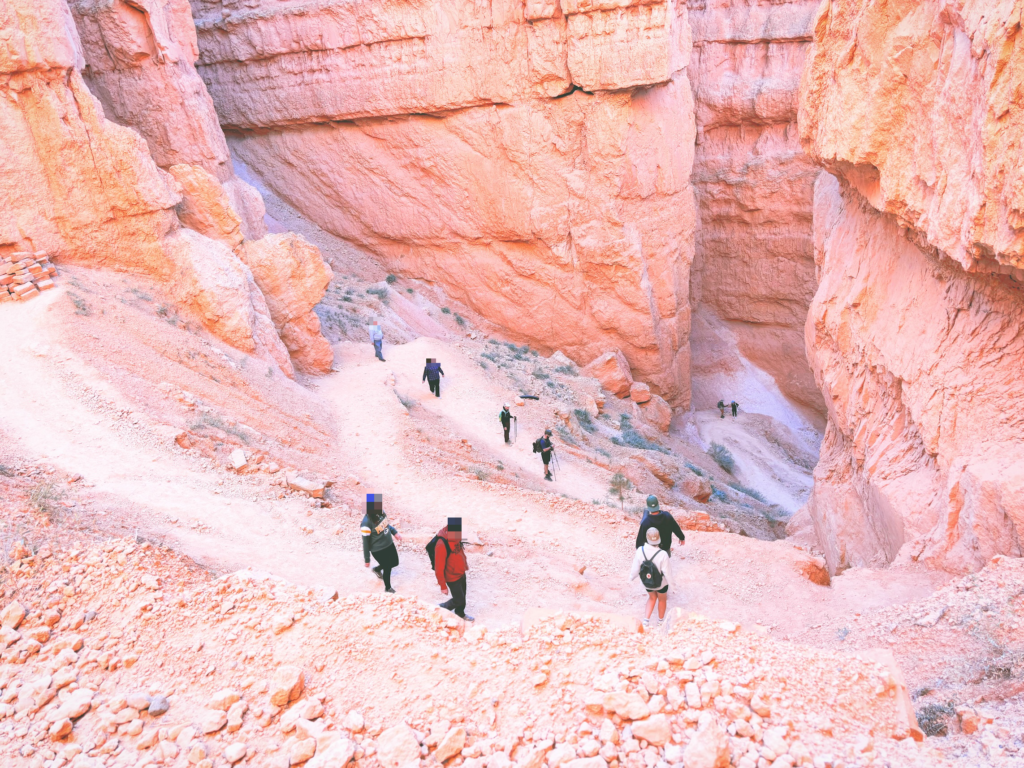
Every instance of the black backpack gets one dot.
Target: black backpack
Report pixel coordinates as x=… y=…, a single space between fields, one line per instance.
x=649 y=573
x=432 y=547
x=536 y=445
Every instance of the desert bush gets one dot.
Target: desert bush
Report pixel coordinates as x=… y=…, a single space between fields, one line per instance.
x=934 y=719
x=46 y=498
x=633 y=439
x=380 y=293
x=748 y=491
x=619 y=486
x=583 y=419
x=391 y=279
x=722 y=457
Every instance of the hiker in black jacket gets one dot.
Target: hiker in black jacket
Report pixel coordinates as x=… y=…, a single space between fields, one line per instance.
x=656 y=517
x=377 y=533
x=432 y=374
x=546 y=449
x=506 y=418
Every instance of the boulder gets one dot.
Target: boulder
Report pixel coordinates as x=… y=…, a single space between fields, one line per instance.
x=339 y=754
x=286 y=685
x=612 y=370
x=205 y=206
x=397 y=746
x=212 y=720
x=655 y=729
x=629 y=706
x=12 y=615
x=451 y=745
x=639 y=392
x=314 y=488
x=657 y=413
x=301 y=751
x=709 y=747
x=696 y=487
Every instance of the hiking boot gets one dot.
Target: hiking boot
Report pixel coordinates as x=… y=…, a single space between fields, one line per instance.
x=378 y=572
x=646 y=623
x=467 y=617
x=548 y=476
x=389 y=589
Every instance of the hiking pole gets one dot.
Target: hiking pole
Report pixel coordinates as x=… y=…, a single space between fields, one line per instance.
x=515 y=430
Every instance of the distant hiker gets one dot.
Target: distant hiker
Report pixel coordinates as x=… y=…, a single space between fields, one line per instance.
x=545 y=448
x=377 y=337
x=432 y=374
x=377 y=532
x=655 y=517
x=448 y=557
x=721 y=407
x=652 y=564
x=735 y=407
x=507 y=418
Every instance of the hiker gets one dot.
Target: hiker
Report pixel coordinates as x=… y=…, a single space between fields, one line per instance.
x=377 y=534
x=735 y=407
x=432 y=374
x=449 y=561
x=656 y=517
x=652 y=564
x=545 y=448
x=507 y=418
x=721 y=408
x=377 y=337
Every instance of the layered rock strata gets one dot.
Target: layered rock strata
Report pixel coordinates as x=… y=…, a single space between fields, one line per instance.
x=532 y=158
x=86 y=190
x=915 y=330
x=753 y=272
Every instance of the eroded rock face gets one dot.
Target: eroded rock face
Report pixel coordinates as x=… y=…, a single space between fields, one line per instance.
x=923 y=117
x=568 y=221
x=87 y=190
x=753 y=273
x=920 y=364
x=915 y=329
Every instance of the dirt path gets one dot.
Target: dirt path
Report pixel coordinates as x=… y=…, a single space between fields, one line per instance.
x=55 y=406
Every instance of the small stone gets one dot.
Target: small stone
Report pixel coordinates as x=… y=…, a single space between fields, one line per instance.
x=280 y=623
x=337 y=755
x=238 y=460
x=452 y=744
x=212 y=720
x=302 y=751
x=397 y=746
x=235 y=714
x=286 y=685
x=138 y=701
x=639 y=392
x=655 y=729
x=148 y=739
x=709 y=747
x=235 y=752
x=353 y=722
x=223 y=700
x=61 y=728
x=134 y=728
x=12 y=616
x=158 y=705
x=39 y=634
x=314 y=488
x=197 y=754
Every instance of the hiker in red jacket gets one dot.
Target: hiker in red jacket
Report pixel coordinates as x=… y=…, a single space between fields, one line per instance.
x=450 y=567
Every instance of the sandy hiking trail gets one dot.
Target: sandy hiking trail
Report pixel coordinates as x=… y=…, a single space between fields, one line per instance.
x=531 y=544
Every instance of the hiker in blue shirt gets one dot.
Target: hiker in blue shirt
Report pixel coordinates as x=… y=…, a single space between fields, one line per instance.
x=377 y=337
x=432 y=374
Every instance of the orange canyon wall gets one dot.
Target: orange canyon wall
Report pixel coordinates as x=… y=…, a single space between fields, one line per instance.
x=753 y=272
x=915 y=331
x=533 y=158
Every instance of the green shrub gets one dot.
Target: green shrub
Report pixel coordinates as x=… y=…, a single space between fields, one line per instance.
x=633 y=439
x=539 y=374
x=566 y=370
x=583 y=419
x=459 y=319
x=445 y=311
x=380 y=293
x=618 y=486
x=722 y=457
x=696 y=470
x=748 y=491
x=408 y=290
x=391 y=279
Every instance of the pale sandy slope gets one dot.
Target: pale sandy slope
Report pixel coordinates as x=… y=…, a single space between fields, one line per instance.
x=51 y=406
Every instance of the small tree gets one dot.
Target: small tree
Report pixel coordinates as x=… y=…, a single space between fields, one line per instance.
x=620 y=485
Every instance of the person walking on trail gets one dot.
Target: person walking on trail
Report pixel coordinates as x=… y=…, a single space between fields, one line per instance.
x=450 y=567
x=653 y=565
x=546 y=449
x=721 y=407
x=507 y=418
x=735 y=407
x=432 y=374
x=377 y=337
x=377 y=534
x=656 y=517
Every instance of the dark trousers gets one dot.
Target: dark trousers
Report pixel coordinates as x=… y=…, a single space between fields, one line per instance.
x=506 y=433
x=435 y=386
x=458 y=600
x=387 y=559
x=376 y=349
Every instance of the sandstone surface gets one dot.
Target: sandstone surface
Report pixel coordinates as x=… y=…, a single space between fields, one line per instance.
x=923 y=117
x=919 y=362
x=914 y=332
x=753 y=272
x=533 y=162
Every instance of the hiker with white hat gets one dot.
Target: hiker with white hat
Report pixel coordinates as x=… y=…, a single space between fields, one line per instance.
x=653 y=565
